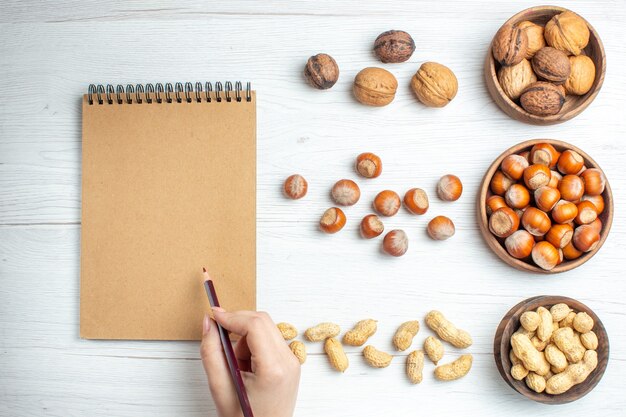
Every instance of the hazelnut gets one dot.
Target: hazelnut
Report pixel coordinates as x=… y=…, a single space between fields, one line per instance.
x=560 y=235
x=534 y=32
x=546 y=198
x=509 y=45
x=295 y=187
x=567 y=32
x=582 y=75
x=375 y=87
x=435 y=85
x=586 y=213
x=517 y=196
x=594 y=181
x=586 y=238
x=449 y=188
x=536 y=176
x=494 y=203
x=513 y=166
x=396 y=243
x=333 y=220
x=544 y=154
x=371 y=226
x=500 y=183
x=596 y=225
x=570 y=162
x=536 y=222
x=503 y=222
x=571 y=188
x=564 y=211
x=321 y=71
x=520 y=244
x=369 y=165
x=387 y=203
x=416 y=201
x=525 y=155
x=545 y=255
x=597 y=200
x=440 y=228
x=555 y=178
x=515 y=78
x=345 y=193
x=552 y=65
x=394 y=46
x=542 y=99
x=570 y=252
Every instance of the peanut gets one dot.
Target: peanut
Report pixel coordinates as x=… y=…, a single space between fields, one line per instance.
x=569 y=344
x=404 y=335
x=525 y=332
x=559 y=311
x=447 y=331
x=336 y=355
x=519 y=372
x=583 y=323
x=514 y=359
x=544 y=330
x=532 y=359
x=321 y=332
x=538 y=344
x=288 y=331
x=454 y=370
x=589 y=340
x=433 y=348
x=298 y=349
x=536 y=382
x=556 y=358
x=376 y=358
x=568 y=321
x=573 y=374
x=530 y=320
x=362 y=331
x=415 y=366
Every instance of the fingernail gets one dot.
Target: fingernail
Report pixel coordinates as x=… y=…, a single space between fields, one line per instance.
x=218 y=309
x=206 y=325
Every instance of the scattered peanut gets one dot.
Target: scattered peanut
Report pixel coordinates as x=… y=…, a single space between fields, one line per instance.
x=573 y=374
x=583 y=322
x=336 y=355
x=376 y=358
x=362 y=331
x=447 y=331
x=454 y=370
x=298 y=349
x=532 y=359
x=536 y=382
x=415 y=366
x=287 y=330
x=530 y=320
x=321 y=332
x=434 y=349
x=404 y=335
x=589 y=340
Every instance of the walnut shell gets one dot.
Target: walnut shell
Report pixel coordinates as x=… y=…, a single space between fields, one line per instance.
x=534 y=32
x=394 y=46
x=551 y=65
x=321 y=71
x=375 y=86
x=509 y=45
x=582 y=76
x=567 y=32
x=435 y=85
x=542 y=99
x=514 y=79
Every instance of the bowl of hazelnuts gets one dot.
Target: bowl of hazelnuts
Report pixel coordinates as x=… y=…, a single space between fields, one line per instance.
x=545 y=206
x=545 y=65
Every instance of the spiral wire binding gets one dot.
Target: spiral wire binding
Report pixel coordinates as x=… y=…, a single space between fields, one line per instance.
x=169 y=93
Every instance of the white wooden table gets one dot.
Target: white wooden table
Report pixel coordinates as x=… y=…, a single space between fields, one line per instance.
x=50 y=52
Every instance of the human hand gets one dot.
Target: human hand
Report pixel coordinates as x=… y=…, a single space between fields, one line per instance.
x=270 y=371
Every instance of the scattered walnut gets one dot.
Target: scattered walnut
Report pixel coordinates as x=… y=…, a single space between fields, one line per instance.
x=434 y=84
x=394 y=46
x=375 y=86
x=321 y=71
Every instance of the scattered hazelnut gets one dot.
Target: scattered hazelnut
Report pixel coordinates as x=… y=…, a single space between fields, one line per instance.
x=534 y=32
x=369 y=165
x=560 y=235
x=435 y=85
x=594 y=181
x=536 y=176
x=387 y=203
x=545 y=255
x=582 y=75
x=500 y=183
x=544 y=154
x=375 y=87
x=503 y=222
x=371 y=226
x=567 y=32
x=440 y=228
x=586 y=213
x=394 y=46
x=542 y=99
x=564 y=212
x=520 y=244
x=552 y=65
x=570 y=252
x=513 y=166
x=295 y=187
x=416 y=201
x=345 y=193
x=536 y=222
x=546 y=198
x=396 y=243
x=449 y=188
x=321 y=71
x=570 y=162
x=517 y=196
x=515 y=78
x=509 y=45
x=597 y=200
x=333 y=220
x=586 y=238
x=571 y=188
x=494 y=203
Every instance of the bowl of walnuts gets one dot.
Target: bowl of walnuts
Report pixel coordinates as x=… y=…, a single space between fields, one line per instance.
x=545 y=206
x=545 y=65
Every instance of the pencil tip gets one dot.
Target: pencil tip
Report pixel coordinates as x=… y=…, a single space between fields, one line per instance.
x=203 y=269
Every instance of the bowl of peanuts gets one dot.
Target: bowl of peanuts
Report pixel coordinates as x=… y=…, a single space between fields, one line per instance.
x=545 y=206
x=551 y=349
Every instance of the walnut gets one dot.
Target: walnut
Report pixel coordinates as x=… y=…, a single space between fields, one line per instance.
x=551 y=65
x=394 y=46
x=321 y=71
x=516 y=78
x=534 y=32
x=375 y=86
x=542 y=99
x=435 y=85
x=509 y=45
x=567 y=32
x=582 y=76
